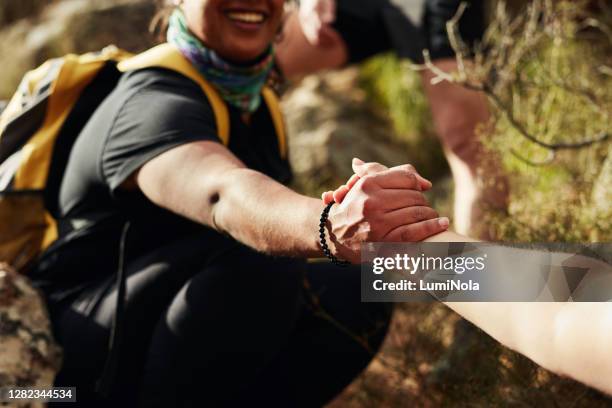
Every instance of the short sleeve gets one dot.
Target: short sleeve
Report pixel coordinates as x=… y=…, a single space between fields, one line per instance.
x=407 y=27
x=152 y=120
x=439 y=12
x=361 y=25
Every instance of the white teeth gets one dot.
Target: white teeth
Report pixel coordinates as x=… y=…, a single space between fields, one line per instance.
x=246 y=17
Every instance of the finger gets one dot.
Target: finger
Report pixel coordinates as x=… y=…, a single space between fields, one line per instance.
x=409 y=215
x=363 y=169
x=327 y=197
x=396 y=178
x=352 y=181
x=311 y=25
x=395 y=199
x=370 y=169
x=340 y=193
x=424 y=183
x=312 y=32
x=327 y=11
x=418 y=231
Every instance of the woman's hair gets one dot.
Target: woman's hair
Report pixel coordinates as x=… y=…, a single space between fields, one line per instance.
x=160 y=21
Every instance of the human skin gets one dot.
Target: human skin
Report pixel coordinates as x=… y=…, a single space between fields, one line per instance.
x=479 y=181
x=571 y=339
x=309 y=44
x=206 y=183
x=555 y=335
x=237 y=30
x=297 y=56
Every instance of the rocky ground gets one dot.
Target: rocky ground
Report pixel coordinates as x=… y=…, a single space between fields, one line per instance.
x=29 y=356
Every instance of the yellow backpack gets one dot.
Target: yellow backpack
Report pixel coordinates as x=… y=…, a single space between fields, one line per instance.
x=38 y=113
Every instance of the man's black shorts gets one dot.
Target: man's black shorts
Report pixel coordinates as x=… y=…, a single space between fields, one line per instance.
x=407 y=27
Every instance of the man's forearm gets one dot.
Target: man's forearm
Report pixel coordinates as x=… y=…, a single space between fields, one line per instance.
x=570 y=339
x=266 y=215
x=449 y=236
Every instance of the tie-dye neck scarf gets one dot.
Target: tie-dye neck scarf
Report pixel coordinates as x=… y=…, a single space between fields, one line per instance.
x=239 y=86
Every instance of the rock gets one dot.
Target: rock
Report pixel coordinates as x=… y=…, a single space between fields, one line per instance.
x=329 y=122
x=92 y=25
x=29 y=356
x=14 y=10
x=72 y=26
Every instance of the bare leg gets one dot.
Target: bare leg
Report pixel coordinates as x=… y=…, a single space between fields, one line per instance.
x=457 y=112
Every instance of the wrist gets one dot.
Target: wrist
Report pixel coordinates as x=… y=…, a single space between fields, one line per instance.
x=325 y=240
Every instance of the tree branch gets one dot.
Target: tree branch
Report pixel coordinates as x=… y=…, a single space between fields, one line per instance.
x=490 y=74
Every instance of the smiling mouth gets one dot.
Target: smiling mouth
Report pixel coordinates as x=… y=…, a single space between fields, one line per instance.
x=246 y=17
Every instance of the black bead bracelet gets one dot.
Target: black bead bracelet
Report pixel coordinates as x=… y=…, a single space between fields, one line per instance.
x=326 y=251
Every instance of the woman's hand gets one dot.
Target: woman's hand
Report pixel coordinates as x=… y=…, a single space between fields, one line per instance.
x=381 y=204
x=361 y=169
x=316 y=17
x=309 y=42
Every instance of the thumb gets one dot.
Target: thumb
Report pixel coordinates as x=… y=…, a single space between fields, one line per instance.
x=363 y=169
x=357 y=164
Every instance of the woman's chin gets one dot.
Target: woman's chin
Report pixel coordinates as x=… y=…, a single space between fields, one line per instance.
x=243 y=54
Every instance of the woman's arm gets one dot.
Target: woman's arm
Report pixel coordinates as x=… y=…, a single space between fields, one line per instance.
x=571 y=339
x=205 y=182
x=297 y=55
x=450 y=236
x=456 y=113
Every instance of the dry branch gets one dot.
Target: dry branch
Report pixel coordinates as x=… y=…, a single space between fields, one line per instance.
x=496 y=65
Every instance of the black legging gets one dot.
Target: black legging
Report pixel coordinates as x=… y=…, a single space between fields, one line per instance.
x=235 y=329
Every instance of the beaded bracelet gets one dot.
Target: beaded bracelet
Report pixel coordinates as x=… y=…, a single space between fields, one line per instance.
x=326 y=251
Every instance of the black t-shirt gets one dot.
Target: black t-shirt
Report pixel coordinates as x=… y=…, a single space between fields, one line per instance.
x=149 y=112
x=369 y=27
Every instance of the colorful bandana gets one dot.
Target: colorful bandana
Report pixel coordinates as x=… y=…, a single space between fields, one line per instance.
x=239 y=86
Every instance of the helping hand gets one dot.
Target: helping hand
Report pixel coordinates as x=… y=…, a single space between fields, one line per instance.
x=381 y=204
x=316 y=17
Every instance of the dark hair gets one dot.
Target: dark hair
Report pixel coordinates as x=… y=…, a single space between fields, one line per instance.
x=160 y=21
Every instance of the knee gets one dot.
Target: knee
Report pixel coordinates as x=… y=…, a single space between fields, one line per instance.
x=259 y=284
x=241 y=293
x=265 y=275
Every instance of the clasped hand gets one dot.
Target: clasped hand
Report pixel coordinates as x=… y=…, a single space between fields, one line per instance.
x=380 y=204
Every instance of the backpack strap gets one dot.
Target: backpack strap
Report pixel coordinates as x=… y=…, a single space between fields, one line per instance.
x=277 y=117
x=167 y=56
